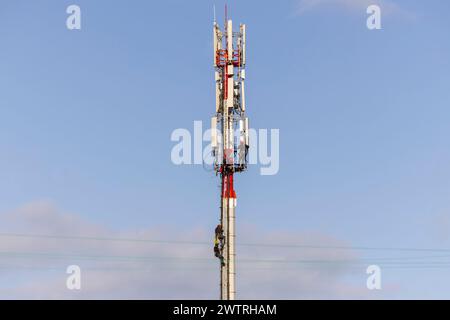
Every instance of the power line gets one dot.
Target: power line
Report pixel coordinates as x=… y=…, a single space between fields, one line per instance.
x=199 y=267
x=166 y=259
x=186 y=242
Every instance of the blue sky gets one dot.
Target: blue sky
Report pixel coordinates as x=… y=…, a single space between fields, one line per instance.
x=86 y=118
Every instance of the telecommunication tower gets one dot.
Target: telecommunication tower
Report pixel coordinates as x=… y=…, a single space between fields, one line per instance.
x=229 y=142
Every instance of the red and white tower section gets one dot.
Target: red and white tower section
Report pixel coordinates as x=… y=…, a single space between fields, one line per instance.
x=229 y=141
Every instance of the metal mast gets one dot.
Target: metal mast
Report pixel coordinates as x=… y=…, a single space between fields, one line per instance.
x=229 y=143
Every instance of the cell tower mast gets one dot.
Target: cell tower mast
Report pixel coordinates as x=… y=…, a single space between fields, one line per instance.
x=229 y=142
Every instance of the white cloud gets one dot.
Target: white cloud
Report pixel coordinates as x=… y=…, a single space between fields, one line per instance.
x=143 y=270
